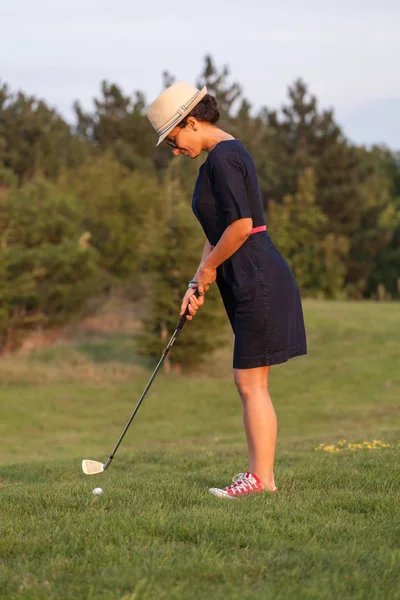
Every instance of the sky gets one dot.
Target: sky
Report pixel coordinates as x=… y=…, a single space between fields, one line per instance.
x=347 y=51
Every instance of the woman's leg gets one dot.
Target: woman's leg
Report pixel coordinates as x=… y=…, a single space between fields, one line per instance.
x=259 y=422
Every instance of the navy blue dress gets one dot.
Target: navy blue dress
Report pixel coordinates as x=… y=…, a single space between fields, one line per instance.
x=257 y=286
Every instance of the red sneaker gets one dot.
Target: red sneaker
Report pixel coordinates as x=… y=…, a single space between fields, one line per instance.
x=243 y=484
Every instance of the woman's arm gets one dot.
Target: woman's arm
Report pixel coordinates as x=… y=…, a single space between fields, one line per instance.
x=233 y=237
x=206 y=252
x=189 y=299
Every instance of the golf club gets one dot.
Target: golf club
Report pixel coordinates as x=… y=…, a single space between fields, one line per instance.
x=91 y=467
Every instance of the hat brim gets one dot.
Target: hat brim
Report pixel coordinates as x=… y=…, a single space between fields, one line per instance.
x=191 y=106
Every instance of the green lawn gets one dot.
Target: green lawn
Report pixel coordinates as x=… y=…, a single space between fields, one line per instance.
x=332 y=532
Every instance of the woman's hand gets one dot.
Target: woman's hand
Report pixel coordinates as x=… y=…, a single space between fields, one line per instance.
x=194 y=303
x=206 y=276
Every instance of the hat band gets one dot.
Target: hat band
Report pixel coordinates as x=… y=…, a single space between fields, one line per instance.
x=177 y=116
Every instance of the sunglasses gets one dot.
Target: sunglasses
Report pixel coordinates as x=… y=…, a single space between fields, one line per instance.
x=172 y=145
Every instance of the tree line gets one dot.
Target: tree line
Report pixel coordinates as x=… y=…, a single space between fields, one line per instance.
x=94 y=206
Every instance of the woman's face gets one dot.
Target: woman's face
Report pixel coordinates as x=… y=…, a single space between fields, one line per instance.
x=186 y=140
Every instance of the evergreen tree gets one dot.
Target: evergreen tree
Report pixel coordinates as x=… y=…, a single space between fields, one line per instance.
x=301 y=137
x=115 y=203
x=34 y=139
x=351 y=188
x=316 y=258
x=386 y=269
x=227 y=94
x=171 y=251
x=118 y=124
x=48 y=270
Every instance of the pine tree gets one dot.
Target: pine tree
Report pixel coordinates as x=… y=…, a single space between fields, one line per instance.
x=386 y=269
x=48 y=270
x=216 y=80
x=118 y=125
x=115 y=204
x=171 y=251
x=34 y=139
x=316 y=258
x=351 y=188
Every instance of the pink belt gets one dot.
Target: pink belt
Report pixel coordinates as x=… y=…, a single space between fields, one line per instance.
x=255 y=230
x=259 y=228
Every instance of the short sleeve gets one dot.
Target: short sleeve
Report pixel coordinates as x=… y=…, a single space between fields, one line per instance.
x=227 y=177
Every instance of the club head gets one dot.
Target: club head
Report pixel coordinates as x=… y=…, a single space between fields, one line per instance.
x=91 y=467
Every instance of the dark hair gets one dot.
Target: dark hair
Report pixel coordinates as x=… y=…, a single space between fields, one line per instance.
x=206 y=110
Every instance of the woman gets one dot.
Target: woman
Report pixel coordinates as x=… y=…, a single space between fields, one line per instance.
x=258 y=289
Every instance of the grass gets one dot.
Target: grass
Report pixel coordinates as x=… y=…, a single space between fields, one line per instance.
x=332 y=532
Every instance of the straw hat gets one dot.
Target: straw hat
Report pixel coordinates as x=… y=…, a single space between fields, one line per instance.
x=172 y=106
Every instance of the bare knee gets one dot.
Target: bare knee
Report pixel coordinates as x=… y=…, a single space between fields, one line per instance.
x=242 y=384
x=250 y=381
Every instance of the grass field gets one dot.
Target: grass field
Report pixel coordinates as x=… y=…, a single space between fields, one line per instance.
x=332 y=532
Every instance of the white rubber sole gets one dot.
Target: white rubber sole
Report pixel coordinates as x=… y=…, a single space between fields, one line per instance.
x=222 y=494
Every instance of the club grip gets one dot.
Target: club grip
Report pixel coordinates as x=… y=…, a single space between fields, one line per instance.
x=182 y=320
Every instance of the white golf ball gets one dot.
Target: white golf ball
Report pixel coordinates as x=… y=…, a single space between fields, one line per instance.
x=97 y=491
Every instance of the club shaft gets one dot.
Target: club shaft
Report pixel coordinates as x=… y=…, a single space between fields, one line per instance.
x=167 y=349
x=179 y=327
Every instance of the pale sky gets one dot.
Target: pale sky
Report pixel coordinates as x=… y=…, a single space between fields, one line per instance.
x=347 y=51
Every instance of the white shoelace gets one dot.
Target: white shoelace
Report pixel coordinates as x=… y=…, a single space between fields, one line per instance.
x=241 y=483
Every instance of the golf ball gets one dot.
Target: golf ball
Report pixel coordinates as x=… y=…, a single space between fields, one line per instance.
x=97 y=491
